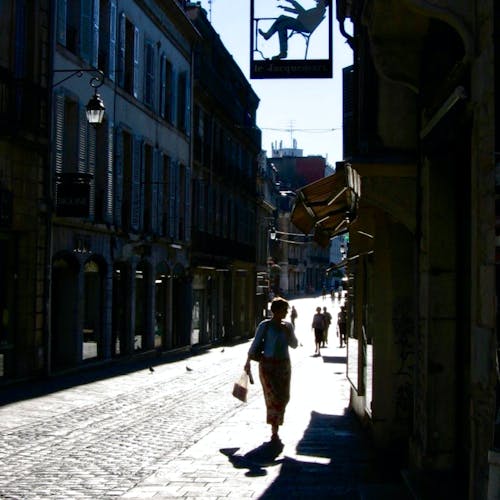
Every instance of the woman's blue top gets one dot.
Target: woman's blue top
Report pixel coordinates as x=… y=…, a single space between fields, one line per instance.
x=277 y=340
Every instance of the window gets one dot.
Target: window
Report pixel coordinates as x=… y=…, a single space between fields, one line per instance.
x=106 y=34
x=127 y=156
x=165 y=197
x=149 y=75
x=72 y=26
x=101 y=171
x=78 y=28
x=128 y=68
x=70 y=149
x=183 y=102
x=148 y=188
x=182 y=202
x=166 y=89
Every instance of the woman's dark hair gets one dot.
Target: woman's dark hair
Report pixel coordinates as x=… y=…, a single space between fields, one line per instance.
x=278 y=303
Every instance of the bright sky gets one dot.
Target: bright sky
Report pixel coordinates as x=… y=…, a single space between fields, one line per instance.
x=307 y=110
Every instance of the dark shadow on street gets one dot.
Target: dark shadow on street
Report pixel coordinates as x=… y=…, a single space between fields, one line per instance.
x=257 y=459
x=20 y=391
x=335 y=359
x=336 y=462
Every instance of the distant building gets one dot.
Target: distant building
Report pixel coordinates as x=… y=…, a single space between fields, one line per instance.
x=302 y=263
x=226 y=148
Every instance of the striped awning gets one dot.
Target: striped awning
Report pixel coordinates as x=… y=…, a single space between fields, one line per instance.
x=327 y=206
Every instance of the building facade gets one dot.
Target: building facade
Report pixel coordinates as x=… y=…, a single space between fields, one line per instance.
x=120 y=283
x=301 y=263
x=417 y=197
x=24 y=201
x=226 y=149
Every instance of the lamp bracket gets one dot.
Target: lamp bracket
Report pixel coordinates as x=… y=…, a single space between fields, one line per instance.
x=95 y=82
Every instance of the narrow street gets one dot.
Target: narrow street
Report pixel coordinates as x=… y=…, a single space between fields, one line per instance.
x=176 y=431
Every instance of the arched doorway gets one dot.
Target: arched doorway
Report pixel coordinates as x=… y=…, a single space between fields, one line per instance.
x=161 y=326
x=64 y=314
x=93 y=293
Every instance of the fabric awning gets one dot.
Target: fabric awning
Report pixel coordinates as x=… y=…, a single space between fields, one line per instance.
x=327 y=206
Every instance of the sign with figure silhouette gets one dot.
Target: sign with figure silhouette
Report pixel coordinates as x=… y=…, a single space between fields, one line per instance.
x=291 y=39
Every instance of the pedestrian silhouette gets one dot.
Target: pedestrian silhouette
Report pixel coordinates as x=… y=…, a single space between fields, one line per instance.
x=318 y=325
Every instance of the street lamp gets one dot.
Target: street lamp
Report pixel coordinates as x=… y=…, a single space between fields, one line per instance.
x=95 y=107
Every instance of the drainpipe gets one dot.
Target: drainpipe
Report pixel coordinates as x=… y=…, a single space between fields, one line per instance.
x=49 y=198
x=494 y=452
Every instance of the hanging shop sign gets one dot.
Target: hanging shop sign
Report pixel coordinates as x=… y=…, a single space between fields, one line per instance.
x=73 y=195
x=291 y=39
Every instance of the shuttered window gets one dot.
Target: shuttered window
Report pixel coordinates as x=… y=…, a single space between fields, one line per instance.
x=126 y=179
x=129 y=56
x=149 y=75
x=105 y=37
x=187 y=204
x=71 y=131
x=165 y=88
x=103 y=174
x=136 y=198
x=78 y=28
x=164 y=196
x=149 y=187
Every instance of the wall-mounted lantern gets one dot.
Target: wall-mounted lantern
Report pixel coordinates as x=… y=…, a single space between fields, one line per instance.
x=95 y=107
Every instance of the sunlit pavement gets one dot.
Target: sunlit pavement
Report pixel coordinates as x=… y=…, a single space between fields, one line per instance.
x=177 y=432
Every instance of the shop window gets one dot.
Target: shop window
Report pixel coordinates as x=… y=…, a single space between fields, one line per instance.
x=92 y=310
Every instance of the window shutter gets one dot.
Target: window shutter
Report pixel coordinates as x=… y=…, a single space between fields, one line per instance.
x=108 y=210
x=210 y=209
x=121 y=51
x=135 y=202
x=59 y=131
x=61 y=21
x=187 y=208
x=142 y=185
x=201 y=208
x=171 y=205
x=188 y=105
x=165 y=194
x=82 y=140
x=91 y=170
x=155 y=192
x=173 y=97
x=118 y=178
x=86 y=30
x=20 y=43
x=95 y=35
x=163 y=84
x=137 y=55
x=112 y=40
x=149 y=76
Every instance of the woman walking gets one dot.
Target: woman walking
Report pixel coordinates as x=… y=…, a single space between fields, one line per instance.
x=276 y=336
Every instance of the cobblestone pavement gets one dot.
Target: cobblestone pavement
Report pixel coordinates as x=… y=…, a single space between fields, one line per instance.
x=178 y=432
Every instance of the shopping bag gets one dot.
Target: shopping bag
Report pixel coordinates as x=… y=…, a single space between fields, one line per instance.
x=240 y=388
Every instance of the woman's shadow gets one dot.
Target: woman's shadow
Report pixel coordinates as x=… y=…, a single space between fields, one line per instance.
x=257 y=459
